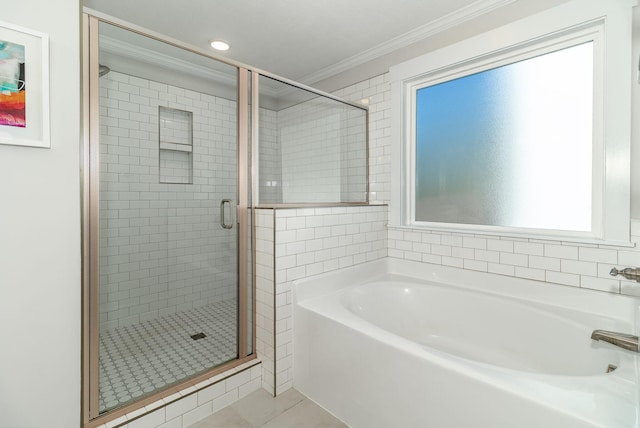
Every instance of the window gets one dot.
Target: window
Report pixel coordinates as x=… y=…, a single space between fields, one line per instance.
x=508 y=146
x=520 y=131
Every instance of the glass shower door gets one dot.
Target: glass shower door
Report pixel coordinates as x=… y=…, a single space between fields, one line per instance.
x=168 y=231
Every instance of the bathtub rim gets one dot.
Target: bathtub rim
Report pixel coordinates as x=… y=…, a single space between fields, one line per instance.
x=612 y=305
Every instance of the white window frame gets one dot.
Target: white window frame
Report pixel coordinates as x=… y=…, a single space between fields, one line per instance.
x=593 y=33
x=608 y=25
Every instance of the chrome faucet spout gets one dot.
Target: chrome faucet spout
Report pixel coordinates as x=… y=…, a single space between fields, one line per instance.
x=625 y=341
x=628 y=273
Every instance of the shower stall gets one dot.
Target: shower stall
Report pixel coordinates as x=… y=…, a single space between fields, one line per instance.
x=169 y=192
x=170 y=295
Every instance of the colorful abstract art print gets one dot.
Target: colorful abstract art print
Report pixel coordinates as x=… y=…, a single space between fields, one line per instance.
x=24 y=87
x=12 y=84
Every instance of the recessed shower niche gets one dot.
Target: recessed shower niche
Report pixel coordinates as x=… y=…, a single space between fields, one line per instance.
x=176 y=145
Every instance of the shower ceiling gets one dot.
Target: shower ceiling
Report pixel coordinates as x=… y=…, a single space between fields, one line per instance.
x=309 y=41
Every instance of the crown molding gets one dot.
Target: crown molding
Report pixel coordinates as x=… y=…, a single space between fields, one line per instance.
x=425 y=31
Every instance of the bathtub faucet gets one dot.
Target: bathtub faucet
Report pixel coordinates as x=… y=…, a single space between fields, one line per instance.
x=629 y=273
x=625 y=341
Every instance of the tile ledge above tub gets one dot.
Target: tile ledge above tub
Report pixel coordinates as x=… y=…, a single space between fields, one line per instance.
x=528 y=237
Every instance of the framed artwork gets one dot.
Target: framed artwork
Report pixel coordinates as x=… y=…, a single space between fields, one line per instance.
x=24 y=87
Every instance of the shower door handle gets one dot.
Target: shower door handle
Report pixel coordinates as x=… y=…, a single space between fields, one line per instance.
x=223 y=223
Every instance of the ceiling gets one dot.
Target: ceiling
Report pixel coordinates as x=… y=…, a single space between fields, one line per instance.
x=302 y=40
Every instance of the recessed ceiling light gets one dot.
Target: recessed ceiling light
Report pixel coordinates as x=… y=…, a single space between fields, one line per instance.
x=220 y=45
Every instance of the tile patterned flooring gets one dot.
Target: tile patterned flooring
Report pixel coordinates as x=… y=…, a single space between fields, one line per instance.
x=137 y=360
x=261 y=410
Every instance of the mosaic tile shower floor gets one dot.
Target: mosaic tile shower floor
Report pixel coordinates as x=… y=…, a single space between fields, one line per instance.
x=139 y=359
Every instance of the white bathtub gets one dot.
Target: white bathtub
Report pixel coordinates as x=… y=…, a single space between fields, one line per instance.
x=394 y=343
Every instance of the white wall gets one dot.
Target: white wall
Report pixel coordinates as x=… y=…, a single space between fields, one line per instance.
x=40 y=292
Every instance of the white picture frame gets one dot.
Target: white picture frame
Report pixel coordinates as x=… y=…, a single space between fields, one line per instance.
x=24 y=118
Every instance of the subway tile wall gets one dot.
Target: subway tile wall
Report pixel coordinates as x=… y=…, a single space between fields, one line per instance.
x=577 y=265
x=161 y=248
x=312 y=152
x=265 y=310
x=322 y=149
x=270 y=163
x=566 y=263
x=377 y=94
x=308 y=241
x=190 y=405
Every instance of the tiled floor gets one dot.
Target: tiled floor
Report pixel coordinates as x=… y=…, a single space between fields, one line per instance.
x=137 y=360
x=260 y=409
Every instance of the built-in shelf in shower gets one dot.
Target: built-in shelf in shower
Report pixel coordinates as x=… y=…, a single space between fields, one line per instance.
x=176 y=145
